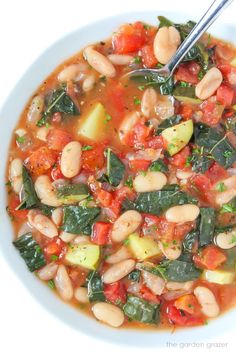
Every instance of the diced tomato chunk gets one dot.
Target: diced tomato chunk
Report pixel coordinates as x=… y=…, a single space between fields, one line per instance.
x=225 y=95
x=148 y=295
x=224 y=68
x=216 y=173
x=116 y=98
x=179 y=159
x=186 y=111
x=93 y=159
x=103 y=197
x=210 y=258
x=56 y=172
x=57 y=139
x=188 y=72
x=100 y=233
x=155 y=142
x=55 y=247
x=189 y=304
x=201 y=182
x=148 y=57
x=118 y=196
x=130 y=38
x=181 y=230
x=212 y=112
x=180 y=317
x=139 y=165
x=13 y=204
x=41 y=160
x=115 y=292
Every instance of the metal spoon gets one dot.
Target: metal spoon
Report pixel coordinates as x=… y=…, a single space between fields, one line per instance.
x=208 y=18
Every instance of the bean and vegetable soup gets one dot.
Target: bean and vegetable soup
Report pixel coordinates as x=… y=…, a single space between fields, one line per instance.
x=122 y=192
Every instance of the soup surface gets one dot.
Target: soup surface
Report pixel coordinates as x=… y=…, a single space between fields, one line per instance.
x=122 y=192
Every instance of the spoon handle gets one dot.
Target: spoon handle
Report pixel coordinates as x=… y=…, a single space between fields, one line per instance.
x=208 y=18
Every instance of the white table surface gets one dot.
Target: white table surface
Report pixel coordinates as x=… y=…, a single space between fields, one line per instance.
x=26 y=29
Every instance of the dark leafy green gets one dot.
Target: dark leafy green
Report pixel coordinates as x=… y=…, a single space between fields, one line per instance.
x=184 y=91
x=140 y=310
x=224 y=228
x=45 y=209
x=30 y=197
x=115 y=169
x=169 y=122
x=135 y=275
x=158 y=165
x=95 y=287
x=207 y=226
x=72 y=192
x=190 y=240
x=215 y=143
x=159 y=201
x=163 y=21
x=161 y=82
x=78 y=219
x=30 y=251
x=58 y=101
x=201 y=160
x=180 y=270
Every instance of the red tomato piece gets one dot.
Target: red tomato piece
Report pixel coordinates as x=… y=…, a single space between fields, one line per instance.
x=103 y=197
x=115 y=292
x=93 y=159
x=148 y=295
x=55 y=247
x=210 y=257
x=179 y=159
x=57 y=139
x=188 y=72
x=225 y=95
x=41 y=160
x=180 y=317
x=155 y=142
x=148 y=57
x=186 y=111
x=129 y=39
x=201 y=182
x=139 y=165
x=212 y=112
x=118 y=196
x=224 y=68
x=189 y=304
x=56 y=173
x=100 y=234
x=13 y=204
x=216 y=173
x=181 y=230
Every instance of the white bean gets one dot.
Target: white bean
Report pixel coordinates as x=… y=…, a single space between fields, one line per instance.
x=42 y=223
x=99 y=62
x=229 y=192
x=45 y=191
x=172 y=250
x=127 y=223
x=48 y=271
x=182 y=213
x=181 y=174
x=81 y=295
x=153 y=282
x=71 y=159
x=207 y=300
x=42 y=133
x=148 y=103
x=150 y=181
x=127 y=124
x=109 y=314
x=63 y=283
x=226 y=240
x=21 y=132
x=81 y=239
x=148 y=154
x=166 y=43
x=209 y=84
x=120 y=255
x=72 y=72
x=15 y=175
x=57 y=216
x=120 y=59
x=88 y=83
x=118 y=271
x=35 y=109
x=172 y=285
x=66 y=236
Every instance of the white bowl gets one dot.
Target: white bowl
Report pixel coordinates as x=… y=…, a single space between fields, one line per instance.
x=9 y=114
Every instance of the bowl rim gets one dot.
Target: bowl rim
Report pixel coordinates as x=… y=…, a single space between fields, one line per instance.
x=43 y=295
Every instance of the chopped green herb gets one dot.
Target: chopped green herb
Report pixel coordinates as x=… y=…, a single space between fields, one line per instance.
x=220 y=187
x=20 y=139
x=200 y=75
x=51 y=284
x=129 y=182
x=54 y=257
x=227 y=153
x=188 y=161
x=126 y=242
x=137 y=60
x=108 y=118
x=229 y=207
x=137 y=101
x=233 y=239
x=87 y=147
x=141 y=88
